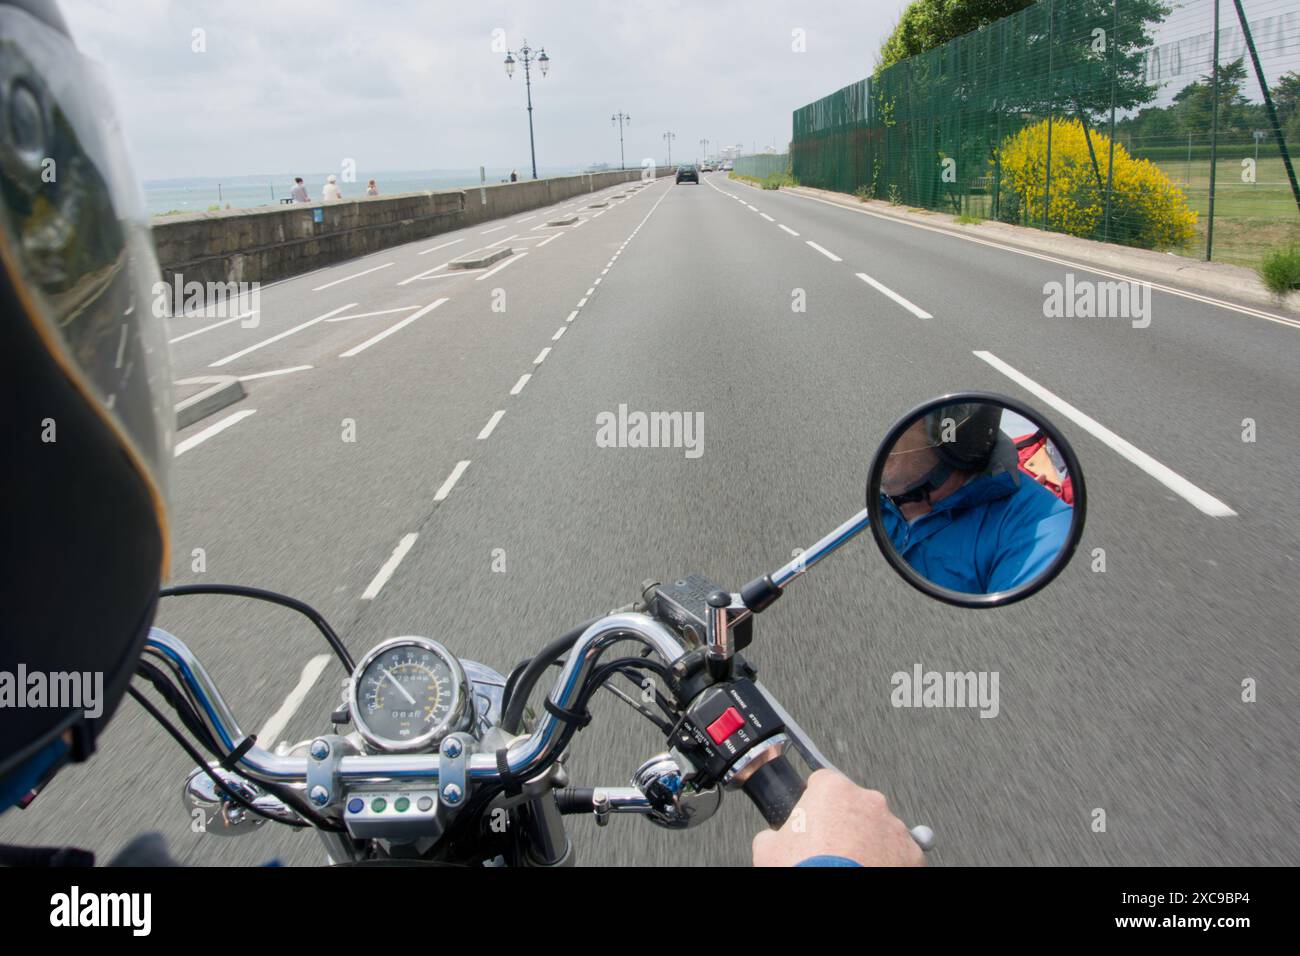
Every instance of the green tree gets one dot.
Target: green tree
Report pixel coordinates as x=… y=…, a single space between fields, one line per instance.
x=1286 y=95
x=1194 y=103
x=926 y=24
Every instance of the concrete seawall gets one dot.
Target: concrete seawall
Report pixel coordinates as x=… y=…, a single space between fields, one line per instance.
x=275 y=242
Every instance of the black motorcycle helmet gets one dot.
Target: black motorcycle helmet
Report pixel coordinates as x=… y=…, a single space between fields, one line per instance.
x=87 y=423
x=963 y=437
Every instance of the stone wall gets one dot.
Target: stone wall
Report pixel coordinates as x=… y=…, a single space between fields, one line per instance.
x=275 y=242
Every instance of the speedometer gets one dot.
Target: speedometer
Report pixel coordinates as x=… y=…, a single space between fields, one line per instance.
x=408 y=693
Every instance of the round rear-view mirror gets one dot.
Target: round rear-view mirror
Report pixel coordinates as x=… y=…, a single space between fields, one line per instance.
x=976 y=499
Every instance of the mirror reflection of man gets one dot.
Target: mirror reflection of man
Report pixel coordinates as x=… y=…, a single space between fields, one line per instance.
x=957 y=508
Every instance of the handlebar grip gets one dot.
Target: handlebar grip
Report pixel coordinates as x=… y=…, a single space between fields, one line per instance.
x=775 y=788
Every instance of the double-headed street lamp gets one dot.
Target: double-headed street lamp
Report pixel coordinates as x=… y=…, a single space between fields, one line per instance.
x=704 y=146
x=668 y=138
x=620 y=118
x=526 y=53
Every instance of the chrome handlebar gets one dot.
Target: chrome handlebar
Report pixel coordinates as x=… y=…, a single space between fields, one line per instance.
x=525 y=756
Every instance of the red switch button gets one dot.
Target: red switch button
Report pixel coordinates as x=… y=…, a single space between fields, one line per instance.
x=726 y=725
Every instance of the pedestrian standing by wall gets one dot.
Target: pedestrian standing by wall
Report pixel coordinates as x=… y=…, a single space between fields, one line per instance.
x=372 y=189
x=514 y=176
x=299 y=191
x=331 y=191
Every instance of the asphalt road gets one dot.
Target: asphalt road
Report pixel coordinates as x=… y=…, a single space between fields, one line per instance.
x=1120 y=690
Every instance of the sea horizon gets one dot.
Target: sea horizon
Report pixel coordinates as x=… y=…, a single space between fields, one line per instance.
x=188 y=194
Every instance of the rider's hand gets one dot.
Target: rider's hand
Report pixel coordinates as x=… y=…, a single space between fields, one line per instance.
x=836 y=817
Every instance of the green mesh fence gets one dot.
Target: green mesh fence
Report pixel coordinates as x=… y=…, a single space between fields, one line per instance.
x=762 y=166
x=1096 y=118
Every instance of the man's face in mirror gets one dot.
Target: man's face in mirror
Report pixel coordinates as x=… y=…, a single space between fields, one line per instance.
x=911 y=459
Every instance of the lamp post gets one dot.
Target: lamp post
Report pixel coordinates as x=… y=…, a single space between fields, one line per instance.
x=620 y=118
x=704 y=150
x=668 y=138
x=528 y=55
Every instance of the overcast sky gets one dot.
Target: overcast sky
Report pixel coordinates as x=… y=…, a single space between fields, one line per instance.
x=416 y=84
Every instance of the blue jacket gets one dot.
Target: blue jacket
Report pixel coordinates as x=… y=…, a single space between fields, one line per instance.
x=993 y=534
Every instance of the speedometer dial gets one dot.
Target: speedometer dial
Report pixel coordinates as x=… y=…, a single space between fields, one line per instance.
x=408 y=693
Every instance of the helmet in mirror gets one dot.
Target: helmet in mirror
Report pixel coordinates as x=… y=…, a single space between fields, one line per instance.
x=976 y=499
x=87 y=428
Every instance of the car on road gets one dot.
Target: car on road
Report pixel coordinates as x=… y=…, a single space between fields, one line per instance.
x=727 y=167
x=687 y=172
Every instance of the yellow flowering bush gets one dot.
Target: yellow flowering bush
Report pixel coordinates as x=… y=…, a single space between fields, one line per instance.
x=1147 y=209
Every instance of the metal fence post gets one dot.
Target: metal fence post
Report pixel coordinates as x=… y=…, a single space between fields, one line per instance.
x=1214 y=135
x=1268 y=105
x=1051 y=113
x=1110 y=163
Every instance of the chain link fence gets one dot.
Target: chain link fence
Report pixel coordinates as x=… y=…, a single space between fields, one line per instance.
x=762 y=165
x=1099 y=118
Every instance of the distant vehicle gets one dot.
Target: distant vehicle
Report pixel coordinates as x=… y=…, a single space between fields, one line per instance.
x=726 y=167
x=707 y=167
x=687 y=172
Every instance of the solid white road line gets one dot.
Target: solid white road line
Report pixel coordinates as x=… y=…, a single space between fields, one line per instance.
x=549 y=239
x=487 y=232
x=221 y=426
x=492 y=423
x=425 y=252
x=506 y=239
x=916 y=310
x=450 y=483
x=206 y=328
x=541 y=356
x=826 y=252
x=366 y=315
x=491 y=272
x=279 y=371
x=283 y=335
x=1202 y=500
x=355 y=275
x=392 y=328
x=377 y=584
x=1083 y=267
x=558 y=333
x=767 y=217
x=787 y=229
x=275 y=724
x=519 y=385
x=525 y=219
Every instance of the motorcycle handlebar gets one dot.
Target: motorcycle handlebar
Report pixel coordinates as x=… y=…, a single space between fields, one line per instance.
x=524 y=757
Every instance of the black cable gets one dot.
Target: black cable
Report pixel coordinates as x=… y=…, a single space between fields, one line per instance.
x=180 y=703
x=201 y=760
x=271 y=597
x=513 y=706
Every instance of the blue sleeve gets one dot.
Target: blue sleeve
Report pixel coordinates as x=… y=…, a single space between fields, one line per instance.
x=1036 y=528
x=829 y=861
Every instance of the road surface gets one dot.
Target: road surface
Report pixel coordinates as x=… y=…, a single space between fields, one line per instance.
x=472 y=399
